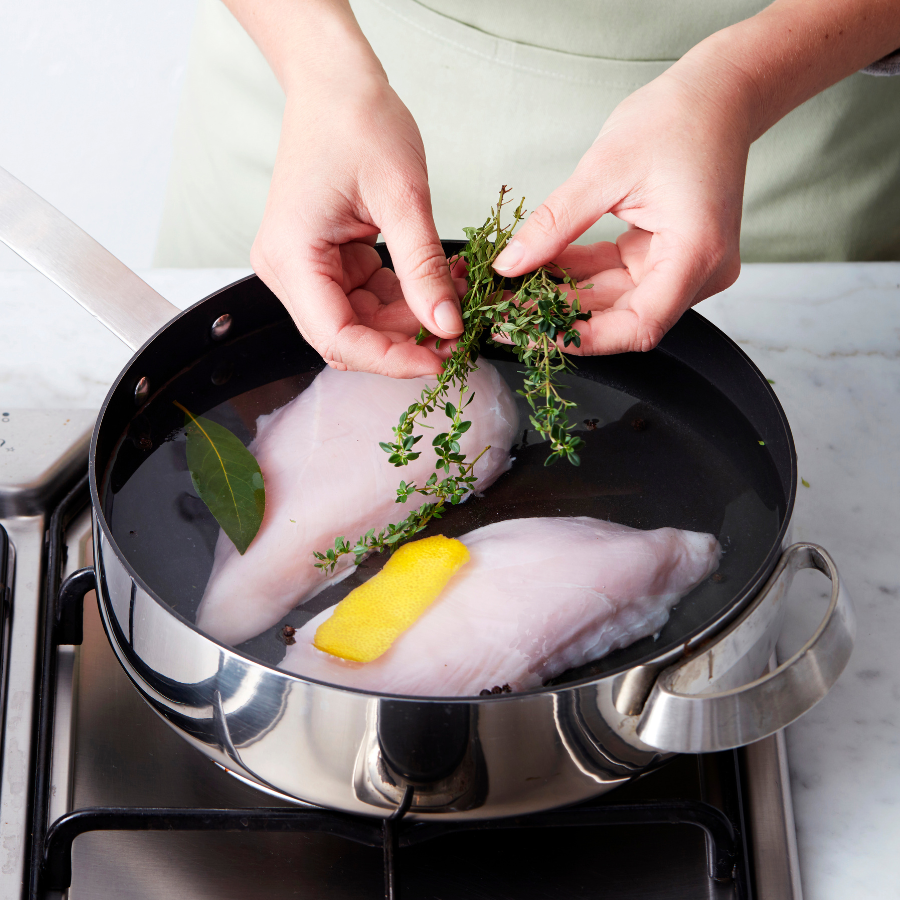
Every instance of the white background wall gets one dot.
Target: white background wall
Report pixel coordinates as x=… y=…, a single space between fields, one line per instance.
x=89 y=91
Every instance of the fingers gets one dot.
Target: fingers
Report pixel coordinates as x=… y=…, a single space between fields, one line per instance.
x=641 y=285
x=376 y=296
x=659 y=277
x=379 y=304
x=421 y=266
x=382 y=344
x=365 y=349
x=640 y=317
x=634 y=246
x=564 y=216
x=621 y=266
x=584 y=261
x=625 y=317
x=360 y=261
x=606 y=288
x=385 y=285
x=372 y=326
x=331 y=326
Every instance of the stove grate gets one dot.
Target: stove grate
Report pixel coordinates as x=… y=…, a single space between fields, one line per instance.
x=391 y=833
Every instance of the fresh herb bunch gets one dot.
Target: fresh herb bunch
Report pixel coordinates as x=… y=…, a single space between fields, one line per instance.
x=531 y=312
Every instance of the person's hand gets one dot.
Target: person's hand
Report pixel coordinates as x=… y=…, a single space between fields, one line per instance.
x=351 y=164
x=376 y=295
x=670 y=161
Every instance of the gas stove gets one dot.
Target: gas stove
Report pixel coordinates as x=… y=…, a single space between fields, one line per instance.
x=100 y=799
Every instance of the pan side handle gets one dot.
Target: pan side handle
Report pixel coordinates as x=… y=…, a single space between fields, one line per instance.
x=85 y=270
x=678 y=717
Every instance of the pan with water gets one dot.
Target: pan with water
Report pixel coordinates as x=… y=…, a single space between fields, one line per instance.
x=689 y=435
x=664 y=447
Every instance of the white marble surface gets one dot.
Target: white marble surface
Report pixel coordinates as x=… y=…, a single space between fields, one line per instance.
x=54 y=354
x=828 y=335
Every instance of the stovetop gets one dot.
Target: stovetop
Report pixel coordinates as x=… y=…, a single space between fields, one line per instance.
x=104 y=747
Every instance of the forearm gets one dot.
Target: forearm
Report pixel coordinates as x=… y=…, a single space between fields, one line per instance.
x=771 y=63
x=304 y=37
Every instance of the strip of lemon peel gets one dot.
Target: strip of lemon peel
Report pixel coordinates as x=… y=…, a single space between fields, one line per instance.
x=371 y=617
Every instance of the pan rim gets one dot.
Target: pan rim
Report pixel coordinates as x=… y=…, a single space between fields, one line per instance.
x=658 y=661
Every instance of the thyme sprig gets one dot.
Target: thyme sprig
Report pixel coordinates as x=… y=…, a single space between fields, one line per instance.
x=533 y=314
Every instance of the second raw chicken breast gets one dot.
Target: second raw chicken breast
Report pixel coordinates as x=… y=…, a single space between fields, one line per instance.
x=537 y=597
x=325 y=475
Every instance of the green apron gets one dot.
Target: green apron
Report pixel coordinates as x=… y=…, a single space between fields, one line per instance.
x=514 y=93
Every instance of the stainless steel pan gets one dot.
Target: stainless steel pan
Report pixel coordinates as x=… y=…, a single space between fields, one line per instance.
x=699 y=687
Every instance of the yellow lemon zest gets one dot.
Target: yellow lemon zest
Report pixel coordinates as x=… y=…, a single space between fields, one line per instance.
x=371 y=617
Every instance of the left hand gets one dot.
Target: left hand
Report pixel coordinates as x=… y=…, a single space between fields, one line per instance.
x=670 y=161
x=376 y=295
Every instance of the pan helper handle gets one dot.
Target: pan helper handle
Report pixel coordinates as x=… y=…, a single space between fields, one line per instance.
x=678 y=717
x=86 y=271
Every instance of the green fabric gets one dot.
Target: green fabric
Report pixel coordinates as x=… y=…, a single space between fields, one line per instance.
x=226 y=135
x=612 y=29
x=821 y=185
x=824 y=183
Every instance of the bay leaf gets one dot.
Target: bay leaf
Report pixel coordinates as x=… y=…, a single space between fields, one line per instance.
x=227 y=478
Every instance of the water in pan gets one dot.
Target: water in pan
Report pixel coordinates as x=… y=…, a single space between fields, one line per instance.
x=664 y=450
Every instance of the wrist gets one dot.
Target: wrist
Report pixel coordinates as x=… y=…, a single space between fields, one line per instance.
x=308 y=41
x=335 y=50
x=714 y=71
x=772 y=62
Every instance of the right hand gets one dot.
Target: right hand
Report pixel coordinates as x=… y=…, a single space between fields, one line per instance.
x=670 y=161
x=351 y=164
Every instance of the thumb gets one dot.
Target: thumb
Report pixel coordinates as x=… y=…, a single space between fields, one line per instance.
x=562 y=218
x=421 y=266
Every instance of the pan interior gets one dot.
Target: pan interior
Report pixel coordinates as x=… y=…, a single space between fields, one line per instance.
x=664 y=448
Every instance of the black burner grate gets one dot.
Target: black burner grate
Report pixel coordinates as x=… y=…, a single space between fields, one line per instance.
x=391 y=834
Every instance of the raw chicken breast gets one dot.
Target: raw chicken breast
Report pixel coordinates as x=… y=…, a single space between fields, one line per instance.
x=325 y=475
x=538 y=596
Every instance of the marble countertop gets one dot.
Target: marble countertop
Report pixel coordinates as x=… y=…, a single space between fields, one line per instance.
x=828 y=336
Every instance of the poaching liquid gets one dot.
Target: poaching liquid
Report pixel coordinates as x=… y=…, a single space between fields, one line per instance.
x=662 y=448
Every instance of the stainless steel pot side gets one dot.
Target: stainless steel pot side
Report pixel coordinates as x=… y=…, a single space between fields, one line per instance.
x=467 y=758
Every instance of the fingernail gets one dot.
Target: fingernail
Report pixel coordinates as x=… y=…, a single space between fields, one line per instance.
x=510 y=257
x=447 y=318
